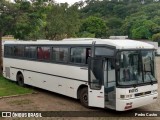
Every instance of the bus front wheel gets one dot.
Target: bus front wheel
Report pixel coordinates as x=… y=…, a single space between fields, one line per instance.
x=20 y=80
x=84 y=97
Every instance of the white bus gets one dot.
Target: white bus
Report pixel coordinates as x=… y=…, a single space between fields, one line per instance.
x=158 y=51
x=115 y=74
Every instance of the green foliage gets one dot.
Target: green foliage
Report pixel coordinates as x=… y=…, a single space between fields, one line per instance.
x=7 y=17
x=44 y=19
x=56 y=26
x=94 y=25
x=86 y=35
x=114 y=24
x=29 y=21
x=127 y=17
x=156 y=38
x=143 y=29
x=120 y=10
x=62 y=21
x=141 y=33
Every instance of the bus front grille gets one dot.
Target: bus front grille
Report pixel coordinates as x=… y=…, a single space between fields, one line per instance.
x=142 y=93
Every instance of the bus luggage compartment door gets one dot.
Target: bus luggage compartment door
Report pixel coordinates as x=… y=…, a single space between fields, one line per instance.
x=96 y=89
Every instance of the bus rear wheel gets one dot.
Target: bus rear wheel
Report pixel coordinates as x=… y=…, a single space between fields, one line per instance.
x=20 y=80
x=84 y=97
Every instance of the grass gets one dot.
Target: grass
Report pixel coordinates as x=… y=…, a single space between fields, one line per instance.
x=9 y=88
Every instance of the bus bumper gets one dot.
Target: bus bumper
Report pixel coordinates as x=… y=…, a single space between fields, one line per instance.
x=122 y=105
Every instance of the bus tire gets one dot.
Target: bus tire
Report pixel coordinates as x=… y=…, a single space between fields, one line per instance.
x=20 y=80
x=84 y=97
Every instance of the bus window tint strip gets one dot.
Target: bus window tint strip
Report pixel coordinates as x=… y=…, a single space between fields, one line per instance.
x=77 y=55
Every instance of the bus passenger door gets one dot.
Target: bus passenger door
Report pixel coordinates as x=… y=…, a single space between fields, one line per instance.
x=110 y=83
x=96 y=88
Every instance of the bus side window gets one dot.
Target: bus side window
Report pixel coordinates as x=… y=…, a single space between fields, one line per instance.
x=27 y=52
x=55 y=56
x=46 y=53
x=88 y=54
x=18 y=51
x=15 y=50
x=78 y=55
x=30 y=52
x=8 y=50
x=43 y=53
x=40 y=53
x=63 y=54
x=60 y=54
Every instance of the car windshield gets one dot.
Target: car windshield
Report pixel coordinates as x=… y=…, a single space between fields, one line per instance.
x=136 y=67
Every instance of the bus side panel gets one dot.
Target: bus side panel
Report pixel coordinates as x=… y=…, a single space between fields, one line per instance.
x=14 y=73
x=51 y=83
x=63 y=79
x=60 y=70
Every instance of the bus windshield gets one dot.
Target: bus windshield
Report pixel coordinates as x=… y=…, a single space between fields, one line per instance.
x=136 y=67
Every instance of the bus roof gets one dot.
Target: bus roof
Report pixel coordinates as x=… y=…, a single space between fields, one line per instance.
x=118 y=43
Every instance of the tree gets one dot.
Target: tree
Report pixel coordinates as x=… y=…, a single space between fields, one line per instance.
x=120 y=10
x=143 y=29
x=141 y=32
x=30 y=20
x=55 y=22
x=114 y=24
x=62 y=21
x=130 y=21
x=95 y=26
x=72 y=21
x=7 y=20
x=156 y=38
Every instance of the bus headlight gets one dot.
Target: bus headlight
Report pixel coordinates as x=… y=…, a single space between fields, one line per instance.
x=154 y=91
x=126 y=96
